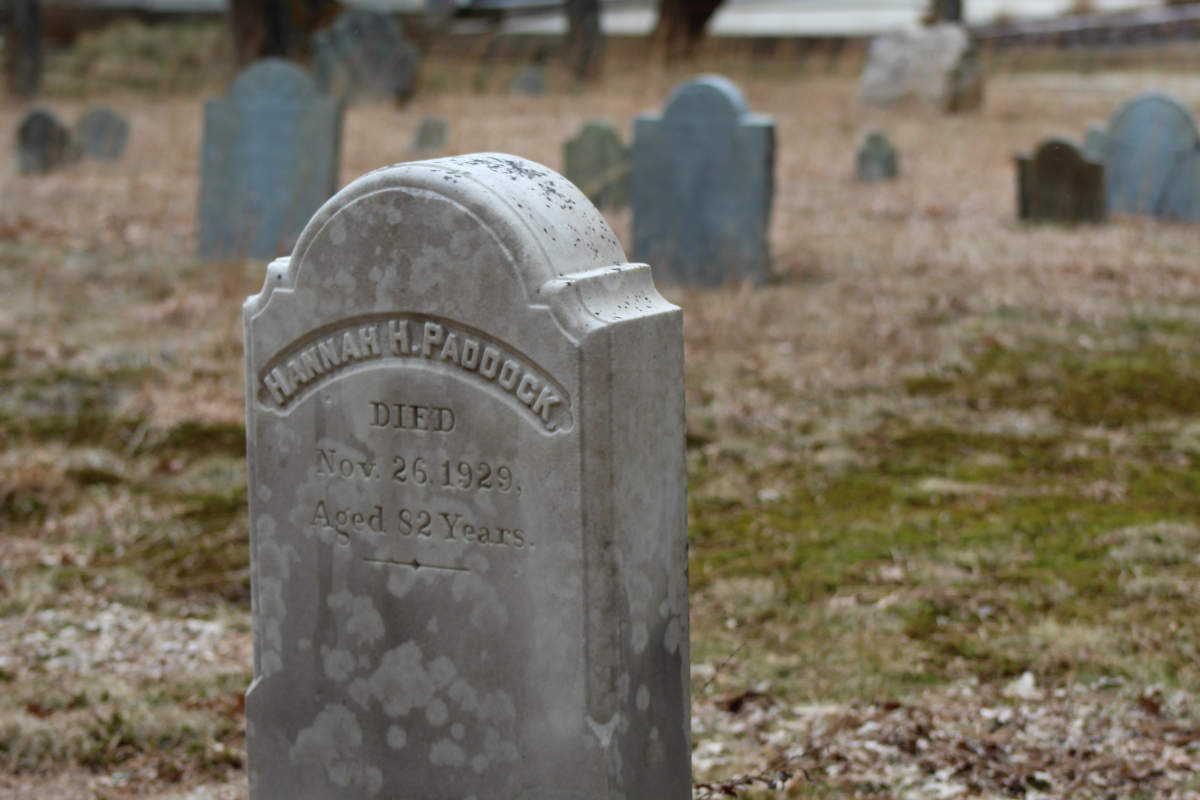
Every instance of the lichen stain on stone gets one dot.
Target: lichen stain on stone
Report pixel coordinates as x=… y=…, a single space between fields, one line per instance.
x=330 y=742
x=362 y=622
x=339 y=664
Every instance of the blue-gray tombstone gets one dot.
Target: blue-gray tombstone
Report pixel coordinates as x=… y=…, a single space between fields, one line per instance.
x=431 y=136
x=1093 y=142
x=1152 y=159
x=529 y=82
x=876 y=159
x=364 y=55
x=101 y=134
x=270 y=160
x=43 y=143
x=703 y=179
x=597 y=161
x=1057 y=183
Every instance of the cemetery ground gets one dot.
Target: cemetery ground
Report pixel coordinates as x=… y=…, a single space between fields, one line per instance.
x=943 y=485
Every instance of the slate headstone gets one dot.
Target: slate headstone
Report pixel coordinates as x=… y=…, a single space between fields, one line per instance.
x=1152 y=159
x=43 y=143
x=1093 y=142
x=431 y=136
x=101 y=134
x=365 y=55
x=270 y=160
x=1057 y=183
x=877 y=159
x=529 y=82
x=937 y=65
x=597 y=161
x=465 y=422
x=703 y=180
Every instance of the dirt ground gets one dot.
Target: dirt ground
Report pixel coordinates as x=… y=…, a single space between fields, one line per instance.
x=942 y=487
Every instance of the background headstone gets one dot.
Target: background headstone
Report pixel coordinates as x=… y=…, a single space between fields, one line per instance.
x=1093 y=142
x=465 y=423
x=877 y=159
x=597 y=161
x=1152 y=159
x=43 y=143
x=270 y=160
x=703 y=180
x=529 y=82
x=938 y=64
x=364 y=55
x=431 y=136
x=1057 y=183
x=101 y=133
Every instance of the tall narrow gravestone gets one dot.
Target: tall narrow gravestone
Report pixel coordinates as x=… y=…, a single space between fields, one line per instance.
x=467 y=500
x=364 y=54
x=1058 y=184
x=703 y=180
x=597 y=161
x=270 y=160
x=1152 y=159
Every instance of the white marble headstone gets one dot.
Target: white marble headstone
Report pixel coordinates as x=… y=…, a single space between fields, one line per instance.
x=467 y=500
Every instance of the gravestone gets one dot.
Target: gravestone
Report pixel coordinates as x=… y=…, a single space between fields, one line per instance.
x=43 y=143
x=364 y=55
x=1093 y=142
x=1058 y=184
x=465 y=423
x=529 y=82
x=597 y=161
x=270 y=160
x=877 y=159
x=703 y=179
x=431 y=136
x=937 y=65
x=1152 y=159
x=101 y=134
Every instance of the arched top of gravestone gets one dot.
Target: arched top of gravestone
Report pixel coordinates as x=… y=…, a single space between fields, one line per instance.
x=1155 y=114
x=1059 y=148
x=278 y=79
x=707 y=95
x=542 y=222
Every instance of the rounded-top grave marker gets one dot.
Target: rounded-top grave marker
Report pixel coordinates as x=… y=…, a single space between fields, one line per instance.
x=1152 y=159
x=465 y=430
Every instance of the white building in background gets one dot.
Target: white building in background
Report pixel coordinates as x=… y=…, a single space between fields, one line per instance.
x=734 y=18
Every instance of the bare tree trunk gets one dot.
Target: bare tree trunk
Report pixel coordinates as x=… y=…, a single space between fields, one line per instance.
x=262 y=28
x=680 y=27
x=585 y=40
x=21 y=21
x=944 y=11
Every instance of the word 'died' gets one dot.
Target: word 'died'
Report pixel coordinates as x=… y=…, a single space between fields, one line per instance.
x=309 y=362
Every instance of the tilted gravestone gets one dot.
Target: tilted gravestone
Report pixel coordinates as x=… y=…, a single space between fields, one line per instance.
x=465 y=423
x=877 y=159
x=1058 y=184
x=270 y=160
x=431 y=136
x=937 y=65
x=101 y=134
x=703 y=180
x=43 y=143
x=597 y=161
x=1152 y=159
x=364 y=55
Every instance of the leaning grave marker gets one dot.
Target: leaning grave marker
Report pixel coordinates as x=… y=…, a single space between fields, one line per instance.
x=702 y=185
x=467 y=499
x=270 y=159
x=1151 y=154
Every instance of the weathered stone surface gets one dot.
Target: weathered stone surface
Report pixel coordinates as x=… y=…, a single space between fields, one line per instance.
x=364 y=55
x=703 y=180
x=467 y=500
x=270 y=159
x=1152 y=159
x=43 y=143
x=1058 y=184
x=877 y=159
x=431 y=136
x=938 y=64
x=101 y=134
x=529 y=82
x=597 y=161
